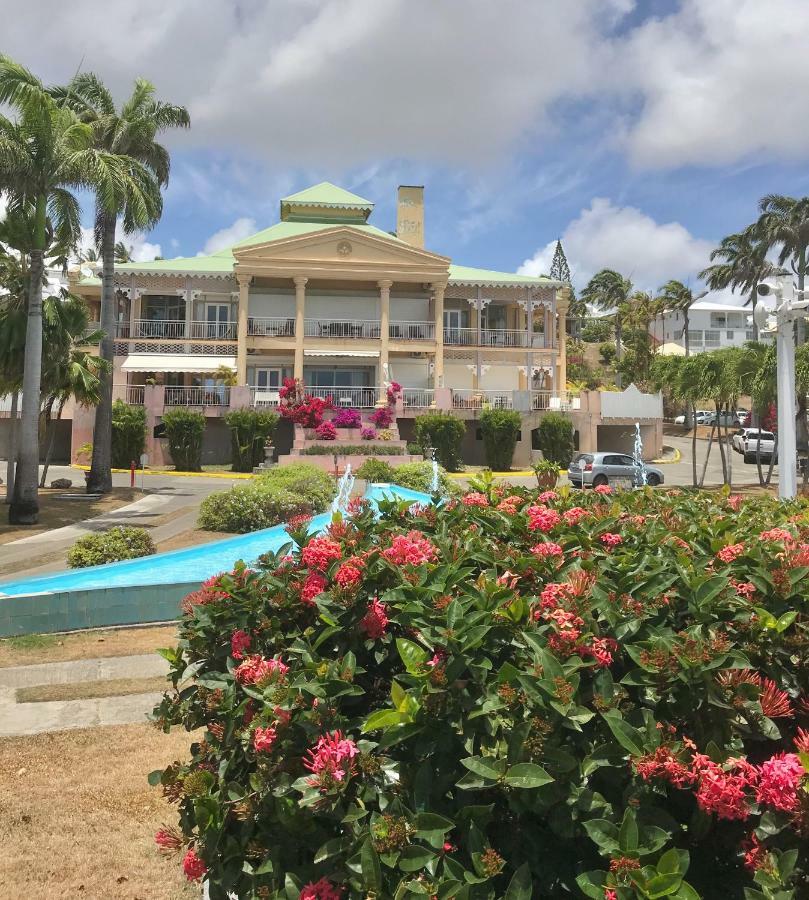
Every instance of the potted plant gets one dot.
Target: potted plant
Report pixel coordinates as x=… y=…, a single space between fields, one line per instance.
x=547 y=474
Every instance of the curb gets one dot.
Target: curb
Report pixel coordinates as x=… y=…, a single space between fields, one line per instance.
x=665 y=462
x=228 y=475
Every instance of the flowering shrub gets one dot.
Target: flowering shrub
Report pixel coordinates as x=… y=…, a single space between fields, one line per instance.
x=302 y=408
x=516 y=696
x=368 y=434
x=326 y=431
x=347 y=418
x=382 y=417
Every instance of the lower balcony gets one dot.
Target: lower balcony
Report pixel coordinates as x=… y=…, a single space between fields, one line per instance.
x=495 y=337
x=366 y=329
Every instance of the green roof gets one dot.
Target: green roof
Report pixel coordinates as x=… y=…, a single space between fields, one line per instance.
x=462 y=274
x=328 y=195
x=90 y=281
x=293 y=229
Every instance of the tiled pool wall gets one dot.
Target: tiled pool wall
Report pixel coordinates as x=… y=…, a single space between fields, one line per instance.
x=77 y=609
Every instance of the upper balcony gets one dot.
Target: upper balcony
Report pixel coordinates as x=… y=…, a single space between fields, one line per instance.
x=507 y=338
x=169 y=329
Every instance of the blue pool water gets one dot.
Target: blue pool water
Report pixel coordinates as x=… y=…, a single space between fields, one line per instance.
x=193 y=564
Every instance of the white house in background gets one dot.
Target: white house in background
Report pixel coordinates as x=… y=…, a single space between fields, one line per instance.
x=711 y=326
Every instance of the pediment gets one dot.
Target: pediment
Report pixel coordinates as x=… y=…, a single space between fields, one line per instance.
x=340 y=248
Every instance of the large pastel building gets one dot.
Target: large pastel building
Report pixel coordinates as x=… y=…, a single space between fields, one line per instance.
x=325 y=296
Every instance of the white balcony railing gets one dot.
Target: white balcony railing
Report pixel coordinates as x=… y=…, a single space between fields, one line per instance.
x=412 y=331
x=263 y=397
x=196 y=396
x=418 y=398
x=271 y=327
x=554 y=400
x=495 y=337
x=132 y=394
x=461 y=337
x=471 y=398
x=341 y=328
x=357 y=397
x=213 y=331
x=166 y=329
x=157 y=328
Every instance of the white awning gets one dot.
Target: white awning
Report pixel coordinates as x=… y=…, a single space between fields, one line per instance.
x=171 y=362
x=363 y=353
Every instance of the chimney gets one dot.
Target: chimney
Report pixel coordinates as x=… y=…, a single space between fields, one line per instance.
x=410 y=215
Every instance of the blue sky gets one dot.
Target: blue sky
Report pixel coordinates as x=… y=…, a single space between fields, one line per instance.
x=639 y=132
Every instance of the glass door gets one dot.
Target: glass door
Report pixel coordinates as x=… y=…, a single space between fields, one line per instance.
x=454 y=321
x=217 y=320
x=268 y=379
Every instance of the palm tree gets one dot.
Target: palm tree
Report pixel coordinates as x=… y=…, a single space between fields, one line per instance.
x=609 y=292
x=677 y=297
x=784 y=223
x=744 y=265
x=88 y=255
x=122 y=253
x=130 y=135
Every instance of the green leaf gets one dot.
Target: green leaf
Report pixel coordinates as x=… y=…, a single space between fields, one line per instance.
x=412 y=655
x=155 y=777
x=591 y=884
x=628 y=737
x=669 y=863
x=414 y=858
x=628 y=835
x=527 y=775
x=603 y=833
x=432 y=828
x=709 y=589
x=486 y=767
x=371 y=869
x=663 y=885
x=383 y=718
x=521 y=885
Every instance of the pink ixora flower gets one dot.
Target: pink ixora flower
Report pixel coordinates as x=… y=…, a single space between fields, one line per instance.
x=256 y=669
x=331 y=760
x=779 y=780
x=734 y=501
x=547 y=549
x=574 y=515
x=548 y=496
x=730 y=553
x=474 y=498
x=321 y=890
x=193 y=866
x=319 y=552
x=603 y=489
x=410 y=549
x=744 y=589
x=263 y=739
x=239 y=642
x=541 y=518
x=610 y=539
x=777 y=534
x=314 y=584
x=375 y=622
x=168 y=839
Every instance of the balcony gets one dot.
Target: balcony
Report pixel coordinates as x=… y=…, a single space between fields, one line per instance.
x=418 y=398
x=196 y=396
x=561 y=400
x=272 y=327
x=356 y=397
x=412 y=331
x=167 y=329
x=367 y=329
x=472 y=398
x=495 y=337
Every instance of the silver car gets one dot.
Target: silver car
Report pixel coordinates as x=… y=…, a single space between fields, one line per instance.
x=593 y=469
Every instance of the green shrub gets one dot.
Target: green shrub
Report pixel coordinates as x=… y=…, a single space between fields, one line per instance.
x=596 y=331
x=352 y=450
x=501 y=428
x=607 y=353
x=376 y=470
x=184 y=430
x=249 y=431
x=418 y=476
x=304 y=479
x=444 y=432
x=118 y=543
x=128 y=434
x=556 y=438
x=251 y=506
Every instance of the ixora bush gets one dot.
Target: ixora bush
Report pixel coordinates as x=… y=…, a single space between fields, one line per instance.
x=301 y=408
x=250 y=429
x=277 y=495
x=118 y=543
x=184 y=430
x=517 y=695
x=347 y=418
x=444 y=432
x=501 y=428
x=128 y=434
x=555 y=435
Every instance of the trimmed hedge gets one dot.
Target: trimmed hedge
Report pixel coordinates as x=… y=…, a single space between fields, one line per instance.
x=120 y=542
x=249 y=431
x=556 y=438
x=184 y=430
x=501 y=429
x=352 y=450
x=444 y=432
x=128 y=434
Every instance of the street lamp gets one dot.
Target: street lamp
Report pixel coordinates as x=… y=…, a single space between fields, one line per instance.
x=787 y=310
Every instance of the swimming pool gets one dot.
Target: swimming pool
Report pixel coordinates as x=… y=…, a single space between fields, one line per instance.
x=193 y=564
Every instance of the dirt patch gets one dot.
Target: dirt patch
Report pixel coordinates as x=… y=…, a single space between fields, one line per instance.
x=31 y=649
x=55 y=510
x=191 y=539
x=77 y=816
x=90 y=690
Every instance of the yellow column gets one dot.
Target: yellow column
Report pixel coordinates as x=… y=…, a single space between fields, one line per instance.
x=562 y=305
x=438 y=301
x=241 y=331
x=384 y=338
x=300 y=314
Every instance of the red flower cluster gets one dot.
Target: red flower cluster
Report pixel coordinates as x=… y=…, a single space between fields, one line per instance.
x=375 y=621
x=410 y=549
x=321 y=890
x=263 y=739
x=744 y=589
x=510 y=504
x=331 y=760
x=319 y=552
x=314 y=584
x=541 y=518
x=730 y=553
x=574 y=515
x=297 y=521
x=168 y=840
x=349 y=575
x=603 y=489
x=239 y=642
x=257 y=669
x=610 y=539
x=777 y=534
x=547 y=549
x=474 y=498
x=548 y=496
x=193 y=866
x=779 y=780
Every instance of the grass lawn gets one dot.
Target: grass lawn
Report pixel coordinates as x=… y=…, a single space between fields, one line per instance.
x=55 y=512
x=77 y=816
x=32 y=649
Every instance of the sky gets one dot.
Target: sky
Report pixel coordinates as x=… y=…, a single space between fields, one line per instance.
x=640 y=132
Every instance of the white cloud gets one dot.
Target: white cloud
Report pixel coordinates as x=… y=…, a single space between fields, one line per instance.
x=718 y=81
x=226 y=237
x=626 y=239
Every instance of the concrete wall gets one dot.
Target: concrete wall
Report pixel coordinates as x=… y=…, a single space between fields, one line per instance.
x=61 y=447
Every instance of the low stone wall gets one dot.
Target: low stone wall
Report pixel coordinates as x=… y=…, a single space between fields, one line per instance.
x=74 y=610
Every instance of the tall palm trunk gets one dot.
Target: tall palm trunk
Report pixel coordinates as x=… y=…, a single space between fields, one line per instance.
x=99 y=479
x=50 y=439
x=11 y=463
x=693 y=411
x=619 y=349
x=24 y=508
x=721 y=443
x=754 y=301
x=800 y=324
x=728 y=450
x=707 y=455
x=690 y=411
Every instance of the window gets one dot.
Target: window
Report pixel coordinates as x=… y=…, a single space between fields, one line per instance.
x=268 y=379
x=730 y=334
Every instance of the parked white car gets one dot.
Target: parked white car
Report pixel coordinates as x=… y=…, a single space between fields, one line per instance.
x=700 y=417
x=750 y=441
